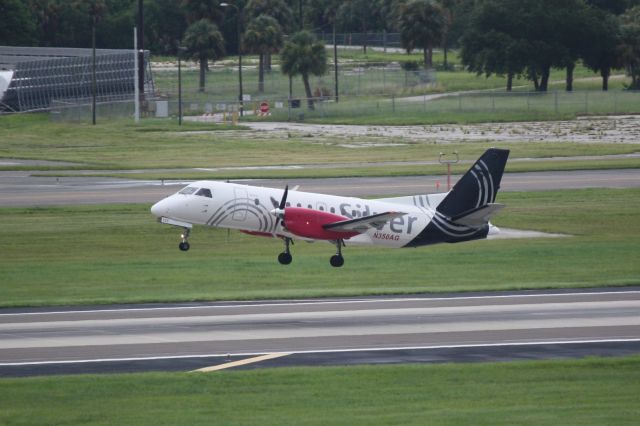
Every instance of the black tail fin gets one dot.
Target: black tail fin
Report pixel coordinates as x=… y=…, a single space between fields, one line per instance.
x=478 y=187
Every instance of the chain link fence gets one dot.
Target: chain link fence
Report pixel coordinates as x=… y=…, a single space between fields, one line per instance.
x=282 y=108
x=358 y=40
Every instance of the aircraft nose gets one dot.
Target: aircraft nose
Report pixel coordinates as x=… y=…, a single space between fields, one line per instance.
x=160 y=208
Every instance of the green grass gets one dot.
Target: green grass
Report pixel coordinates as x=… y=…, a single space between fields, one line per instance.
x=114 y=254
x=594 y=391
x=469 y=108
x=369 y=78
x=121 y=145
x=222 y=84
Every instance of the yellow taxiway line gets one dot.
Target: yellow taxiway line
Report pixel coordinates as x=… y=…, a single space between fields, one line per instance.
x=242 y=362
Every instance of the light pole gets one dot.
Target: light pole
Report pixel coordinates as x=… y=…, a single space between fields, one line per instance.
x=238 y=24
x=335 y=59
x=94 y=83
x=141 y=69
x=180 y=50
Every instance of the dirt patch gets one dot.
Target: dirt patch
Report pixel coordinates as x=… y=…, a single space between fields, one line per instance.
x=617 y=129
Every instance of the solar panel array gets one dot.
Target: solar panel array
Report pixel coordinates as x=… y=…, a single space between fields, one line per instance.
x=58 y=74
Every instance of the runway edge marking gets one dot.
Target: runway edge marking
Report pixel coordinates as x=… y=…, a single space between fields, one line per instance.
x=321 y=351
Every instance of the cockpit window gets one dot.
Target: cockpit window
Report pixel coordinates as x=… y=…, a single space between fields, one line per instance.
x=204 y=192
x=188 y=190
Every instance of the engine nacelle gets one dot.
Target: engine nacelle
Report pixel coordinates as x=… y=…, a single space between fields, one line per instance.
x=308 y=223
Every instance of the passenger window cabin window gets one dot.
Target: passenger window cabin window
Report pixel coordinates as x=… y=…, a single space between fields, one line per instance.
x=333 y=210
x=204 y=192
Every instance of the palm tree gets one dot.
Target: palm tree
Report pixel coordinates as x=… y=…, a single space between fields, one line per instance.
x=303 y=55
x=422 y=24
x=450 y=8
x=203 y=42
x=278 y=9
x=358 y=14
x=202 y=9
x=263 y=36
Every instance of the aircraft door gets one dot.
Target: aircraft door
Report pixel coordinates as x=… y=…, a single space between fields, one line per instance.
x=240 y=204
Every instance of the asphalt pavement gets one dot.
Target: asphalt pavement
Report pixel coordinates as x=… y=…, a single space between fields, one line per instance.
x=457 y=327
x=20 y=189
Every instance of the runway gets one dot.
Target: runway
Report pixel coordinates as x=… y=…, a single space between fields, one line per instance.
x=18 y=189
x=322 y=331
x=462 y=327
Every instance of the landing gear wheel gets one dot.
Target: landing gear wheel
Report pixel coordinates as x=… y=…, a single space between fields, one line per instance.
x=285 y=258
x=336 y=261
x=184 y=244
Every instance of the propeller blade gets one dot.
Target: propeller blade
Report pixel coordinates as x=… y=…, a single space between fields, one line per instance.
x=279 y=208
x=283 y=202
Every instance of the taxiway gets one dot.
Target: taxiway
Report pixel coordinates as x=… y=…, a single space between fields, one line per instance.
x=19 y=189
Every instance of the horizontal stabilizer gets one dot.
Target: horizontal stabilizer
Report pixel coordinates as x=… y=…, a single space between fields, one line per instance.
x=363 y=224
x=478 y=217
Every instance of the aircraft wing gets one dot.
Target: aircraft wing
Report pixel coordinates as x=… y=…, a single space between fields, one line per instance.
x=363 y=224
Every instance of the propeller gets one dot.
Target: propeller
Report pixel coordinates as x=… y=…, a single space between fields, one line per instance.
x=279 y=211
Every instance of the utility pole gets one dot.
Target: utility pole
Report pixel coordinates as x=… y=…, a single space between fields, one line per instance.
x=239 y=37
x=300 y=14
x=335 y=59
x=136 y=95
x=141 y=68
x=94 y=83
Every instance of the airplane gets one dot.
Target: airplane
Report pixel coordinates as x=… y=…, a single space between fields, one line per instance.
x=462 y=214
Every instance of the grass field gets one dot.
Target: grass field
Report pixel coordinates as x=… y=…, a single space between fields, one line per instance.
x=596 y=391
x=359 y=75
x=118 y=145
x=470 y=108
x=366 y=82
x=115 y=254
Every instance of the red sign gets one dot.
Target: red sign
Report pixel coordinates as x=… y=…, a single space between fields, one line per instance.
x=264 y=107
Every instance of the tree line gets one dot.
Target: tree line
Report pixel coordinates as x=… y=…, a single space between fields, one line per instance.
x=510 y=38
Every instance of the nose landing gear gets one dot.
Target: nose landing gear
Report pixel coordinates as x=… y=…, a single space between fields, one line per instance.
x=184 y=244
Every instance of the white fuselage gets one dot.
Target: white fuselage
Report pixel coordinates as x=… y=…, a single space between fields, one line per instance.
x=249 y=208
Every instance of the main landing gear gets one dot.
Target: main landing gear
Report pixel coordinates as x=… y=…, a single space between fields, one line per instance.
x=337 y=260
x=184 y=244
x=285 y=257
